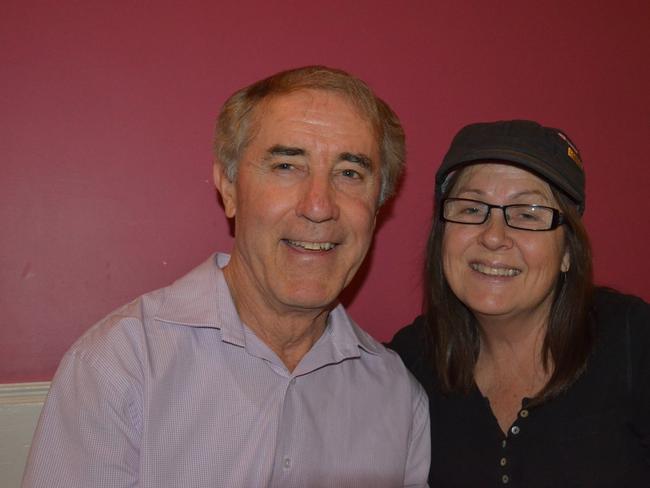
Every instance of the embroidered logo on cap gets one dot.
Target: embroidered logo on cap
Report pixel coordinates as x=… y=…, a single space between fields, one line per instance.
x=571 y=151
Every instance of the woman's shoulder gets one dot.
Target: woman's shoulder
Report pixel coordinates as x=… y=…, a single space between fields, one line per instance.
x=611 y=306
x=410 y=337
x=412 y=344
x=622 y=323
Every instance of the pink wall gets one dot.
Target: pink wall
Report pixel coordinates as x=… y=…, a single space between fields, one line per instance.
x=107 y=109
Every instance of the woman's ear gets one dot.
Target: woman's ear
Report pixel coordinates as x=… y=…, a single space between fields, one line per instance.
x=566 y=262
x=226 y=189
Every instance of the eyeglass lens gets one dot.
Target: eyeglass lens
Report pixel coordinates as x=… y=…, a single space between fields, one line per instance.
x=521 y=216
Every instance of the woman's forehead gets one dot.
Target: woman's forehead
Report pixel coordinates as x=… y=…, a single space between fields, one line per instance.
x=500 y=180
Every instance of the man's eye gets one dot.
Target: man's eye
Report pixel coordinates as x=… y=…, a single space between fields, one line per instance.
x=283 y=166
x=350 y=173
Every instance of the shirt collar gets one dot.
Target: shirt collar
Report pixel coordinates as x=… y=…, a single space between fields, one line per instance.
x=347 y=334
x=202 y=299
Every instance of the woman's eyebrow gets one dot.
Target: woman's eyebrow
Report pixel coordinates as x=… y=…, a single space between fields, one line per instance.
x=524 y=193
x=527 y=193
x=462 y=190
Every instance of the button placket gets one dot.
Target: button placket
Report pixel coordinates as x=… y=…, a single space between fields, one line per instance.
x=503 y=462
x=286 y=461
x=284 y=457
x=513 y=433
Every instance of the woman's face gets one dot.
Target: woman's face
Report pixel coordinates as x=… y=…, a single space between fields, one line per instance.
x=495 y=270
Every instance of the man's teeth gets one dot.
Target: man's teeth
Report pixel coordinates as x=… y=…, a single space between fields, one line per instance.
x=313 y=246
x=488 y=270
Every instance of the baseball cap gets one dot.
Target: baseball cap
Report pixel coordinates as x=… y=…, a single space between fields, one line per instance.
x=544 y=151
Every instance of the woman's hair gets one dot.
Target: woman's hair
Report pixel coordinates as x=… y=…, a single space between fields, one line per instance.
x=452 y=330
x=236 y=122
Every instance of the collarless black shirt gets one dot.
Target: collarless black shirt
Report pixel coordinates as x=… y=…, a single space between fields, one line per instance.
x=596 y=434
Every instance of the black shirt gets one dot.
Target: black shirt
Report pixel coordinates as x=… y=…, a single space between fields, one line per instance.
x=596 y=434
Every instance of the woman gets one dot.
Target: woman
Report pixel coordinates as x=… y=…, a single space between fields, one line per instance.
x=535 y=378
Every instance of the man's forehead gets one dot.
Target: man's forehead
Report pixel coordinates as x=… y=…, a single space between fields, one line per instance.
x=306 y=99
x=310 y=104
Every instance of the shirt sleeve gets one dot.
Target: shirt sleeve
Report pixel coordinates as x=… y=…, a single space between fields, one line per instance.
x=88 y=432
x=419 y=453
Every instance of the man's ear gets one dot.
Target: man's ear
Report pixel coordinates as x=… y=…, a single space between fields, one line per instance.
x=226 y=189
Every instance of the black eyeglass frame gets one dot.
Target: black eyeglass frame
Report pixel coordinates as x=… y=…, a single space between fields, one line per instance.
x=558 y=217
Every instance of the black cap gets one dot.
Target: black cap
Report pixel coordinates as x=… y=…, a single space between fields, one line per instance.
x=545 y=151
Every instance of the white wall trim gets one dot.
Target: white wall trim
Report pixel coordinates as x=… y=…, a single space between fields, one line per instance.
x=23 y=393
x=20 y=406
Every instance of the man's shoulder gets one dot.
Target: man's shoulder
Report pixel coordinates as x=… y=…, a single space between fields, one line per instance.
x=347 y=332
x=124 y=330
x=382 y=360
x=119 y=333
x=387 y=356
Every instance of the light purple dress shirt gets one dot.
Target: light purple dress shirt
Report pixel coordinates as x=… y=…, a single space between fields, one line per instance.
x=173 y=390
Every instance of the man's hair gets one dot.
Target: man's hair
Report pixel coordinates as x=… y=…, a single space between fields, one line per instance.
x=453 y=340
x=235 y=123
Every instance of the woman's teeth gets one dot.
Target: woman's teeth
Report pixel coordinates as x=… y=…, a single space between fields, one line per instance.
x=490 y=271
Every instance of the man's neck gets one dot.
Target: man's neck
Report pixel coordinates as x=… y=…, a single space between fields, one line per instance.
x=289 y=333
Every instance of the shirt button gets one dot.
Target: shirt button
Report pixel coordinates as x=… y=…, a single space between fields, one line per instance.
x=293 y=381
x=287 y=463
x=523 y=413
x=515 y=430
x=503 y=461
x=504 y=443
x=505 y=479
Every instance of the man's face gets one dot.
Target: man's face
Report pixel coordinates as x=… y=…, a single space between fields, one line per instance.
x=304 y=201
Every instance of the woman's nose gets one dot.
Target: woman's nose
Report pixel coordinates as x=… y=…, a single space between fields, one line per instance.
x=495 y=232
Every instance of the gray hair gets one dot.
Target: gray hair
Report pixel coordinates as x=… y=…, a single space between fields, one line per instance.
x=234 y=124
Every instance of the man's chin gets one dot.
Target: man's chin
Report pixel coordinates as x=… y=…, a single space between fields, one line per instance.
x=310 y=299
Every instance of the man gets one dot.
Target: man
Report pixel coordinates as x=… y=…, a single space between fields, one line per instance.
x=246 y=372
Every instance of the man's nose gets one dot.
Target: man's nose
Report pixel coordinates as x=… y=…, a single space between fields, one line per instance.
x=318 y=200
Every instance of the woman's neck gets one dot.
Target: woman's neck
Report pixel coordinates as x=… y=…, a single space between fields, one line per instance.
x=510 y=365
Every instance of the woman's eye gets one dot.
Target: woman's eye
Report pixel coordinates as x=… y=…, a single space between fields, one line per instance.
x=470 y=210
x=527 y=215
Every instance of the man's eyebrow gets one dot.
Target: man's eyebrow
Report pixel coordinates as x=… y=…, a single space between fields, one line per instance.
x=360 y=159
x=280 y=150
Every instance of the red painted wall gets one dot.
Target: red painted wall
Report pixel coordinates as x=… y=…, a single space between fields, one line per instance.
x=107 y=110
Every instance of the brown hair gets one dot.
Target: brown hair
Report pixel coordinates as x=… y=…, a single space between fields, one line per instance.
x=234 y=125
x=452 y=330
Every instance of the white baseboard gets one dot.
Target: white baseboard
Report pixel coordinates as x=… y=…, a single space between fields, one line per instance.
x=20 y=406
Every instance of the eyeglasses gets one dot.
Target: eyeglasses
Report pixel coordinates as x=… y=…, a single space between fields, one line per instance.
x=517 y=216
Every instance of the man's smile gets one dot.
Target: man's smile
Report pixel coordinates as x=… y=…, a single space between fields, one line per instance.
x=311 y=246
